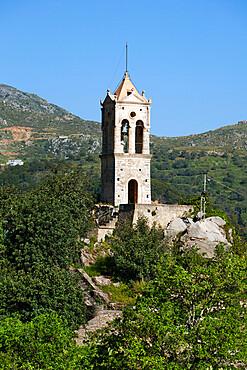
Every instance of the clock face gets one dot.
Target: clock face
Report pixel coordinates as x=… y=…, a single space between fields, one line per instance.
x=132 y=114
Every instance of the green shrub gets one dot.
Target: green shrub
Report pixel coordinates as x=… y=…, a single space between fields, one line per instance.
x=45 y=289
x=137 y=250
x=191 y=316
x=43 y=343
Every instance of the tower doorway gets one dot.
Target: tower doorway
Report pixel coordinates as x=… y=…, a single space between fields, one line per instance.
x=132 y=191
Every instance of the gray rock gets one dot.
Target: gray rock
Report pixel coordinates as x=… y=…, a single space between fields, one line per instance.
x=96 y=291
x=87 y=257
x=205 y=234
x=175 y=227
x=102 y=280
x=217 y=220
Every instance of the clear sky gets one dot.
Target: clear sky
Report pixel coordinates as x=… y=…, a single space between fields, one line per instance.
x=190 y=56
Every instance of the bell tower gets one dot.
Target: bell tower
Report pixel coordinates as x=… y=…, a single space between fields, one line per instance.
x=125 y=158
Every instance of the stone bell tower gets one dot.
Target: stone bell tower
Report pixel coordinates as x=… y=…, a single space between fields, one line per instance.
x=125 y=158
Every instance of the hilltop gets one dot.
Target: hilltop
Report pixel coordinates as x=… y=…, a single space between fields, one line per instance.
x=29 y=102
x=30 y=127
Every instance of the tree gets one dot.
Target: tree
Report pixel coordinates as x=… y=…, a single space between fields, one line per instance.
x=43 y=225
x=192 y=316
x=41 y=230
x=136 y=250
x=40 y=291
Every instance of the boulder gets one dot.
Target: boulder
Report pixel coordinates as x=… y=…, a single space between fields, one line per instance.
x=205 y=234
x=176 y=226
x=217 y=220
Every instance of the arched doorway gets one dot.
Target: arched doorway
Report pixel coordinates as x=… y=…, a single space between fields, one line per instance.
x=132 y=191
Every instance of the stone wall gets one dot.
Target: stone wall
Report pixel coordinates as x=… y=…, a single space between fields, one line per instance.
x=161 y=214
x=107 y=178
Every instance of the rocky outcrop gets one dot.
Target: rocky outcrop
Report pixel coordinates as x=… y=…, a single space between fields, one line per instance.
x=89 y=254
x=102 y=310
x=205 y=234
x=97 y=292
x=101 y=320
x=102 y=280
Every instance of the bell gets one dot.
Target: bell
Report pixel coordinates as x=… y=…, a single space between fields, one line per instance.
x=125 y=129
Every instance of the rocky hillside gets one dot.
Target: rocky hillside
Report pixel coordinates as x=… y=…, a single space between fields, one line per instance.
x=227 y=138
x=30 y=127
x=29 y=102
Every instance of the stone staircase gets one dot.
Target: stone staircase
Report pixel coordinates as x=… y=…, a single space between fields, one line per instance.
x=101 y=320
x=101 y=314
x=110 y=221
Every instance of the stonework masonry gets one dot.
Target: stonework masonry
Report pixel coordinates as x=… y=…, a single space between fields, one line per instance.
x=125 y=158
x=159 y=214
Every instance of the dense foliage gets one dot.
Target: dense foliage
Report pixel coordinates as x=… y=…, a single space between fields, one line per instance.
x=43 y=343
x=41 y=232
x=32 y=172
x=183 y=169
x=191 y=313
x=191 y=316
x=136 y=250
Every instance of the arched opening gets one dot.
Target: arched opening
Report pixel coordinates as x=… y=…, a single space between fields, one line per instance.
x=125 y=135
x=139 y=137
x=132 y=191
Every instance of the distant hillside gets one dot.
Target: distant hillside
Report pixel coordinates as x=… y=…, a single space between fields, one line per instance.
x=29 y=102
x=30 y=127
x=33 y=129
x=227 y=138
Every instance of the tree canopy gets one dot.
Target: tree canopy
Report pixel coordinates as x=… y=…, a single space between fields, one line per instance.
x=191 y=316
x=41 y=233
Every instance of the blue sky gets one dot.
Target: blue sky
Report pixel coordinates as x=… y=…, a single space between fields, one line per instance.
x=190 y=56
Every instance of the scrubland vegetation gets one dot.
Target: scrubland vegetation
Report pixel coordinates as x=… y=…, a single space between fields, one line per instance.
x=185 y=311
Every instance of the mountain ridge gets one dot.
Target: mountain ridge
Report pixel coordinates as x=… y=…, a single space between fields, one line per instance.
x=53 y=121
x=28 y=101
x=41 y=123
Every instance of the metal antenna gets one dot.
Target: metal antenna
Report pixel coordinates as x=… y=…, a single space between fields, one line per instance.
x=126 y=57
x=203 y=199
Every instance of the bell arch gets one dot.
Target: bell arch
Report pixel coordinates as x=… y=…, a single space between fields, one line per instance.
x=125 y=135
x=139 y=137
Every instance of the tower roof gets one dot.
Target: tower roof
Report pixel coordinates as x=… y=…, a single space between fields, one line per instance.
x=127 y=88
